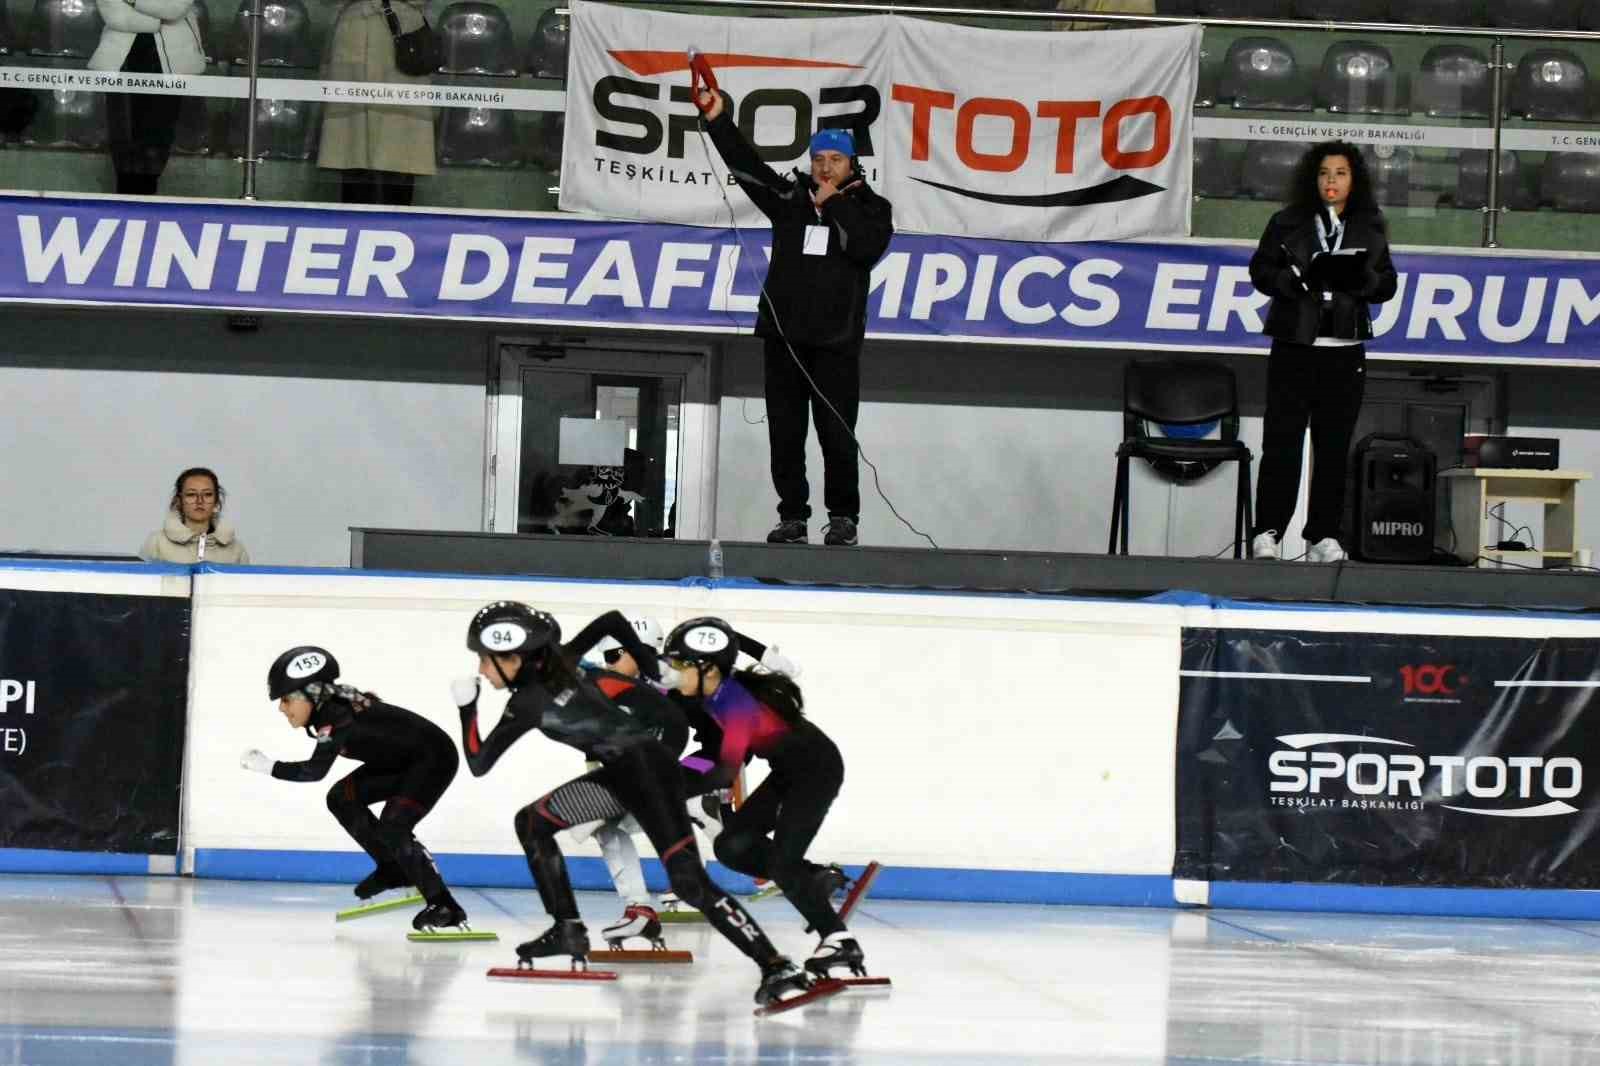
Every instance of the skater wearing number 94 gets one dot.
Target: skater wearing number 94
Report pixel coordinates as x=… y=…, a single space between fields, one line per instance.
x=520 y=649
x=407 y=763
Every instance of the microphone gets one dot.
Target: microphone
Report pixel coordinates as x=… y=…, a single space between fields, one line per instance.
x=700 y=72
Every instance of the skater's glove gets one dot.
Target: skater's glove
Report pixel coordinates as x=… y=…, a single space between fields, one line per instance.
x=779 y=663
x=464 y=690
x=258 y=761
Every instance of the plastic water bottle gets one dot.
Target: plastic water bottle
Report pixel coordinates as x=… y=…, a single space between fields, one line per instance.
x=714 y=559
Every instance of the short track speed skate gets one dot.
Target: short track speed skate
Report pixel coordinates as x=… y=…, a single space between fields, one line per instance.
x=840 y=951
x=641 y=922
x=784 y=986
x=444 y=920
x=568 y=937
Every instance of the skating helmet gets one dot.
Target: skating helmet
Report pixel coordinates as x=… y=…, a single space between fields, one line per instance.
x=298 y=667
x=506 y=627
x=702 y=641
x=649 y=631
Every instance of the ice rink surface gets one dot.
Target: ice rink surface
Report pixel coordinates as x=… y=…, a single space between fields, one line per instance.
x=144 y=971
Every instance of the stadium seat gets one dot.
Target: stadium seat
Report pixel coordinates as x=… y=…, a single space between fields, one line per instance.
x=1453 y=83
x=67 y=119
x=1359 y=77
x=1261 y=73
x=1205 y=86
x=476 y=39
x=1550 y=84
x=285 y=129
x=1438 y=12
x=285 y=35
x=1571 y=181
x=1533 y=14
x=68 y=29
x=194 y=127
x=477 y=137
x=1176 y=7
x=1268 y=167
x=1242 y=9
x=202 y=19
x=1216 y=169
x=1472 y=182
x=1342 y=10
x=1589 y=16
x=547 y=48
x=544 y=149
x=8 y=36
x=1389 y=168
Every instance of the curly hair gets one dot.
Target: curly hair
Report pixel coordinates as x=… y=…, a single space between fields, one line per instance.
x=1303 y=195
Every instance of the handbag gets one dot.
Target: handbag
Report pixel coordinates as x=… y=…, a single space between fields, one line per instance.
x=416 y=53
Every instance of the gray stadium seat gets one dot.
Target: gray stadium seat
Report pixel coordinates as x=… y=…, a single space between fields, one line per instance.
x=1242 y=9
x=285 y=35
x=67 y=119
x=1268 y=167
x=1261 y=73
x=544 y=148
x=1389 y=168
x=1359 y=77
x=193 y=135
x=1216 y=169
x=202 y=18
x=1205 y=86
x=1438 y=12
x=1571 y=181
x=1472 y=182
x=8 y=36
x=68 y=29
x=476 y=38
x=547 y=48
x=1533 y=14
x=285 y=129
x=1550 y=84
x=1342 y=10
x=1453 y=82
x=477 y=137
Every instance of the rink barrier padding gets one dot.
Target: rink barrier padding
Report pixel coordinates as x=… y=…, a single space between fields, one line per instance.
x=104 y=863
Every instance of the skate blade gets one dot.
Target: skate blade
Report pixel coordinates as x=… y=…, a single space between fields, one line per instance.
x=819 y=991
x=766 y=892
x=866 y=984
x=680 y=917
x=526 y=973
x=377 y=908
x=859 y=890
x=652 y=955
x=449 y=938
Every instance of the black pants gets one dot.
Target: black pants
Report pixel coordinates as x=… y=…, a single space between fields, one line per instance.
x=141 y=126
x=837 y=372
x=769 y=835
x=377 y=187
x=407 y=796
x=1322 y=388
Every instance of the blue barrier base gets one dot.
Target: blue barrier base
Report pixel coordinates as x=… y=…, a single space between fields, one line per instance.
x=1559 y=903
x=43 y=861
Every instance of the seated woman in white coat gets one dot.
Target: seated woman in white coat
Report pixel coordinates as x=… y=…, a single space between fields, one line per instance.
x=145 y=37
x=194 y=531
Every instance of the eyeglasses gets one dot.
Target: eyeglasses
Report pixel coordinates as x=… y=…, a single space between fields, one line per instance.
x=679 y=664
x=197 y=497
x=613 y=656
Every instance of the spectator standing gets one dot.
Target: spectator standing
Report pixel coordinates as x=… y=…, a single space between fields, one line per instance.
x=194 y=530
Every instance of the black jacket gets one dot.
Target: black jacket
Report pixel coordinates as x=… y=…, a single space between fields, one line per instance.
x=1300 y=316
x=819 y=300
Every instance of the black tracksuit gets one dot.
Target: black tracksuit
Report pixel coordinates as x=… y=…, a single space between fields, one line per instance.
x=1307 y=384
x=817 y=305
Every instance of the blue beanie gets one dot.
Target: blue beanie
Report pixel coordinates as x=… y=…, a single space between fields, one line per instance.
x=840 y=141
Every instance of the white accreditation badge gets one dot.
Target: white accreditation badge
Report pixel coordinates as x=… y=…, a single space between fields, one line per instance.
x=816 y=240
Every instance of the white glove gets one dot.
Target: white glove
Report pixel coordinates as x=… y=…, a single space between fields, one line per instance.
x=464 y=690
x=779 y=663
x=257 y=760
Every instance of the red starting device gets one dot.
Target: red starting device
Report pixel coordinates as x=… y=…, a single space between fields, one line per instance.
x=700 y=74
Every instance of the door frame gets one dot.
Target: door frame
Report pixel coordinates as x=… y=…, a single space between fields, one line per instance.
x=698 y=421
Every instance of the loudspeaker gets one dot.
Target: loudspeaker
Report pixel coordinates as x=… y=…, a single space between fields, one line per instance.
x=1394 y=510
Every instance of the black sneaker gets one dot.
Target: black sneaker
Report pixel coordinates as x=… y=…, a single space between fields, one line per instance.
x=840 y=532
x=789 y=531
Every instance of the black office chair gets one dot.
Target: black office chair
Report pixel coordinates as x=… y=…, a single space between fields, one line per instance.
x=1180 y=392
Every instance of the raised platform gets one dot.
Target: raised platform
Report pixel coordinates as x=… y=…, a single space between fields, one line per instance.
x=1042 y=573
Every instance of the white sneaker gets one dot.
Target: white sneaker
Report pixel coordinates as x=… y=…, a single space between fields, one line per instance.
x=1265 y=545
x=1326 y=550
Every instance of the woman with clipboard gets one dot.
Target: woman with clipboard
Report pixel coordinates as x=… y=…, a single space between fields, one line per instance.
x=1324 y=259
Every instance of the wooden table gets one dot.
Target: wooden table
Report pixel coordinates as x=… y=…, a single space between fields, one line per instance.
x=1474 y=490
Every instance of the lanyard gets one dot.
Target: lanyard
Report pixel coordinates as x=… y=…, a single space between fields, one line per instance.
x=1323 y=234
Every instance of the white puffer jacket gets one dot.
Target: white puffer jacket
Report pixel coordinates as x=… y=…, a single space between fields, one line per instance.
x=175 y=542
x=172 y=21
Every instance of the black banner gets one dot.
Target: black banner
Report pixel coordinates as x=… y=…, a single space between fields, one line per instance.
x=93 y=696
x=1380 y=759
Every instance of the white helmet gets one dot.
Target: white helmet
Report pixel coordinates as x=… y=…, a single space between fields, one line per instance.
x=649 y=631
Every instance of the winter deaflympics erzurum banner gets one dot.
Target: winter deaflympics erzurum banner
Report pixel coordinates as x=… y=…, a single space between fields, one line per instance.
x=1025 y=135
x=1014 y=135
x=632 y=147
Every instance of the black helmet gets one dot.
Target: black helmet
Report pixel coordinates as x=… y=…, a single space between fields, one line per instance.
x=298 y=667
x=506 y=627
x=703 y=640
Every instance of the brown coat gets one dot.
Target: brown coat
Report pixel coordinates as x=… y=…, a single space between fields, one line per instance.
x=394 y=138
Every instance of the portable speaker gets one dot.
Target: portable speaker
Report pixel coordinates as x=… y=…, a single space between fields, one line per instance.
x=1394 y=512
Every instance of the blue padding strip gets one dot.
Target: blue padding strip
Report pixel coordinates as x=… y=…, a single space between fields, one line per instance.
x=88 y=566
x=42 y=861
x=1371 y=899
x=1567 y=614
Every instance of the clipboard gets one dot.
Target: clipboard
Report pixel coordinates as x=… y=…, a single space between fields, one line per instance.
x=1343 y=270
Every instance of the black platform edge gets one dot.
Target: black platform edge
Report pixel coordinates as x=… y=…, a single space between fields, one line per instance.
x=915 y=569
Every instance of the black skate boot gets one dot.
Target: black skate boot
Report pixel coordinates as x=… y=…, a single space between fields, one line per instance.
x=637 y=920
x=444 y=914
x=568 y=936
x=837 y=950
x=781 y=980
x=833 y=879
x=386 y=876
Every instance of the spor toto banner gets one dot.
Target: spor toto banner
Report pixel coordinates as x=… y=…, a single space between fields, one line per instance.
x=574 y=272
x=93 y=698
x=984 y=133
x=1385 y=759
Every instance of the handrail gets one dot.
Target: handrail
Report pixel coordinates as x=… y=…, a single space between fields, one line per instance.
x=1328 y=26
